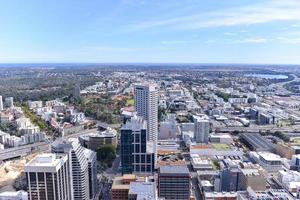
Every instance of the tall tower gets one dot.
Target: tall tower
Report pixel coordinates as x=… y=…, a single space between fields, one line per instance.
x=1 y=103
x=47 y=177
x=79 y=169
x=146 y=106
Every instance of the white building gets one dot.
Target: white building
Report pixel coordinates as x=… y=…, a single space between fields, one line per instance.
x=146 y=105
x=48 y=177
x=201 y=128
x=269 y=161
x=78 y=166
x=1 y=103
x=200 y=164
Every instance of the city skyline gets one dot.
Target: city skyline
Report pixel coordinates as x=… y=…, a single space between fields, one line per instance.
x=143 y=31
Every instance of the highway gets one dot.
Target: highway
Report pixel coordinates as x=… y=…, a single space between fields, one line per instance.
x=20 y=151
x=16 y=152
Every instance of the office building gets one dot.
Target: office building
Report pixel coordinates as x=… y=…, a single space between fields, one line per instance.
x=229 y=176
x=9 y=102
x=1 y=103
x=137 y=154
x=146 y=106
x=91 y=158
x=48 y=177
x=174 y=182
x=78 y=166
x=201 y=129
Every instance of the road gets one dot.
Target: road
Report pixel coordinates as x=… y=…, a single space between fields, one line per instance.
x=254 y=129
x=20 y=151
x=280 y=86
x=24 y=150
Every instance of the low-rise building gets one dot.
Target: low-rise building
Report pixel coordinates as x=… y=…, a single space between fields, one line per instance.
x=95 y=140
x=201 y=164
x=269 y=161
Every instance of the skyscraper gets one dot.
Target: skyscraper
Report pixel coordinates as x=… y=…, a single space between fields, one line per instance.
x=79 y=176
x=91 y=157
x=48 y=177
x=146 y=105
x=1 y=103
x=137 y=154
x=201 y=129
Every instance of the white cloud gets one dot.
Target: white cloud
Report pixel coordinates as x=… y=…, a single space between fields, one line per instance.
x=174 y=42
x=290 y=37
x=252 y=40
x=263 y=12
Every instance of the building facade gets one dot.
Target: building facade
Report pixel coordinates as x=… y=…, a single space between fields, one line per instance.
x=48 y=177
x=201 y=129
x=146 y=106
x=174 y=182
x=137 y=154
x=78 y=163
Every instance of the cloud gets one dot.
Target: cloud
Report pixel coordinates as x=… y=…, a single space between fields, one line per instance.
x=230 y=34
x=174 y=42
x=290 y=37
x=252 y=40
x=263 y=12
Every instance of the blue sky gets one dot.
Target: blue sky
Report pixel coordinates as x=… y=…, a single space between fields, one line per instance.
x=172 y=31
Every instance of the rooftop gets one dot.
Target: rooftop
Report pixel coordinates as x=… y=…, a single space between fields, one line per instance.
x=174 y=169
x=143 y=190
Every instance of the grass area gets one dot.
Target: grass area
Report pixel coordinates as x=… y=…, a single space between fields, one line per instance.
x=130 y=102
x=221 y=147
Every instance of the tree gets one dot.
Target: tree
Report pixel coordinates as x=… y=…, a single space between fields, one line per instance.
x=106 y=154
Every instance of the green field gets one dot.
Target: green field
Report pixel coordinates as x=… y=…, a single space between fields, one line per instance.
x=221 y=147
x=130 y=102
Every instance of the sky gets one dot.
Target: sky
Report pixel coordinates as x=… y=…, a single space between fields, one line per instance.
x=150 y=31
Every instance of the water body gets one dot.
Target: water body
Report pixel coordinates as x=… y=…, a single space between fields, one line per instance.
x=268 y=76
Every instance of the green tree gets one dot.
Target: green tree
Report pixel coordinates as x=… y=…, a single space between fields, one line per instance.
x=106 y=154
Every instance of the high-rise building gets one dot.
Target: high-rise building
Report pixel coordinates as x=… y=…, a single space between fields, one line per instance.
x=79 y=166
x=1 y=103
x=48 y=177
x=9 y=102
x=137 y=154
x=91 y=157
x=146 y=105
x=201 y=129
x=174 y=182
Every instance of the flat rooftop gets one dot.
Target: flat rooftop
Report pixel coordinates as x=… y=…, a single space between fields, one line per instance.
x=175 y=169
